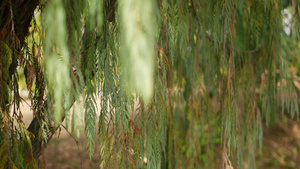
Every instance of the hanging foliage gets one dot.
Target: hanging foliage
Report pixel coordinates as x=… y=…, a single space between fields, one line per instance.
x=180 y=84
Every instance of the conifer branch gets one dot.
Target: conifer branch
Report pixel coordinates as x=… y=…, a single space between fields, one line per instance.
x=169 y=125
x=232 y=48
x=228 y=46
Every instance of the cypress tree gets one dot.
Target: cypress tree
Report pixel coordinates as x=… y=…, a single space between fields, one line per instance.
x=180 y=83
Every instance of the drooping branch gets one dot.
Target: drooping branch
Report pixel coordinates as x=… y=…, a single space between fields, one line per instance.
x=35 y=126
x=234 y=49
x=228 y=46
x=22 y=12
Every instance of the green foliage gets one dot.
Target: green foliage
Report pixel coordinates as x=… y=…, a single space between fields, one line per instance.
x=180 y=84
x=6 y=60
x=138 y=30
x=57 y=60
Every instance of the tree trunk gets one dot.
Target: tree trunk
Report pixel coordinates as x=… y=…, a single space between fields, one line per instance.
x=22 y=12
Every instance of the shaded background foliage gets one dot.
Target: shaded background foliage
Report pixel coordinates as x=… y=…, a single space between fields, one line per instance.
x=180 y=82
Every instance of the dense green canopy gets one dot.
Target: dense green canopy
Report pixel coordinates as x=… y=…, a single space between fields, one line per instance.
x=181 y=83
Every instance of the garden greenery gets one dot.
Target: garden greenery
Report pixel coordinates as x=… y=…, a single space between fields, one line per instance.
x=181 y=83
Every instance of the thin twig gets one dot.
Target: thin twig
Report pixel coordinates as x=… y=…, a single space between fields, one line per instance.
x=75 y=142
x=223 y=91
x=13 y=63
x=26 y=103
x=195 y=11
x=59 y=132
x=12 y=19
x=231 y=26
